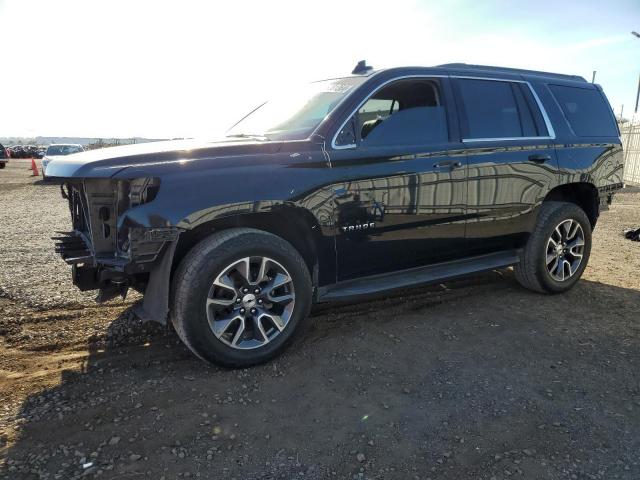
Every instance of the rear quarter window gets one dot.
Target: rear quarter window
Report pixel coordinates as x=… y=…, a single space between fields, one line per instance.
x=586 y=111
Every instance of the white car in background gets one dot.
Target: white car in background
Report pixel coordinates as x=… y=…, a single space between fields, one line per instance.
x=57 y=150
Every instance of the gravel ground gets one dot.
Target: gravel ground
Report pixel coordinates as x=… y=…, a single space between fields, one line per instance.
x=473 y=379
x=32 y=211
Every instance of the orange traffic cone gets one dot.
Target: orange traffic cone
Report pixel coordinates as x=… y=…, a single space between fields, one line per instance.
x=34 y=168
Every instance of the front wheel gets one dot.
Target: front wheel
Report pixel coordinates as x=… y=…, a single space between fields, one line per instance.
x=239 y=296
x=558 y=249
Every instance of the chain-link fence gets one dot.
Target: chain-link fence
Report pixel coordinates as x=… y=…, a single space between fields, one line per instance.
x=631 y=143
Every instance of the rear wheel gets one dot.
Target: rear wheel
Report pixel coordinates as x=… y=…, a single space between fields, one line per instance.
x=239 y=297
x=558 y=249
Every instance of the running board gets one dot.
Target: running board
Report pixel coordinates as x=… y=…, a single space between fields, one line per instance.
x=375 y=284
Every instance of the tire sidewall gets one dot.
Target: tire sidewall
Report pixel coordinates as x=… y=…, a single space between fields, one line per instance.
x=567 y=211
x=193 y=307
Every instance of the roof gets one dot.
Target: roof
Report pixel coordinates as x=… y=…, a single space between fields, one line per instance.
x=492 y=69
x=466 y=69
x=469 y=69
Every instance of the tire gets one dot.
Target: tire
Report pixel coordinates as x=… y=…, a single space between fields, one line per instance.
x=193 y=287
x=2 y=165
x=533 y=271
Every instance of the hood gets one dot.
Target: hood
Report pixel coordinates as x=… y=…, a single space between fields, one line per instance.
x=107 y=162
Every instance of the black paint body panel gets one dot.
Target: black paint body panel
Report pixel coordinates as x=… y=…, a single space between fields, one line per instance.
x=416 y=214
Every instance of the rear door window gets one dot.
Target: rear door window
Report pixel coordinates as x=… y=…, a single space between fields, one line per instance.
x=586 y=111
x=494 y=109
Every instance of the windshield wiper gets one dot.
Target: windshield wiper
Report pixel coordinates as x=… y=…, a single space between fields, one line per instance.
x=247 y=135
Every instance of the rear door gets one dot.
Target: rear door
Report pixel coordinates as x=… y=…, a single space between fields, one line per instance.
x=511 y=160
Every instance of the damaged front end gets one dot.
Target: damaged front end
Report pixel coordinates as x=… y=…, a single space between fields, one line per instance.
x=111 y=250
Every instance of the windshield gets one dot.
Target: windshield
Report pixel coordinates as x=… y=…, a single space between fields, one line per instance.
x=63 y=149
x=294 y=115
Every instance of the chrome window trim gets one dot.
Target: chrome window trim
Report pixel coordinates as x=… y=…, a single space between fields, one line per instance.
x=547 y=121
x=551 y=135
x=503 y=139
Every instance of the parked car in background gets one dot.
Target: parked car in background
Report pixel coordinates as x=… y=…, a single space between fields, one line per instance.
x=3 y=156
x=57 y=150
x=347 y=188
x=30 y=151
x=24 y=151
x=15 y=151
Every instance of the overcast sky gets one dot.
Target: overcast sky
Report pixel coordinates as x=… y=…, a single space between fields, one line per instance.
x=157 y=68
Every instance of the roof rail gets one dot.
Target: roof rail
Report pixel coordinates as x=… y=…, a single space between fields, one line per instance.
x=466 y=66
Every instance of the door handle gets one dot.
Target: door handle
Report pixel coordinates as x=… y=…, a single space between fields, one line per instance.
x=539 y=157
x=448 y=164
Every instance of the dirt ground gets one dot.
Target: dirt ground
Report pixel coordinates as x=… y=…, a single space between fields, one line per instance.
x=473 y=379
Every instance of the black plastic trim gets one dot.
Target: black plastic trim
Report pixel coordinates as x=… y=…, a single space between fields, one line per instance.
x=376 y=284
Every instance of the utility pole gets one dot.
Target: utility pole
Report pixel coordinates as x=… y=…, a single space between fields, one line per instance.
x=621 y=111
x=630 y=128
x=593 y=78
x=637 y=95
x=637 y=35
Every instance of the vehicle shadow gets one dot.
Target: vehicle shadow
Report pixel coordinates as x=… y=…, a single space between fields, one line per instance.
x=48 y=182
x=467 y=379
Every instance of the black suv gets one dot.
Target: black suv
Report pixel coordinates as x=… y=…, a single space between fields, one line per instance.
x=343 y=189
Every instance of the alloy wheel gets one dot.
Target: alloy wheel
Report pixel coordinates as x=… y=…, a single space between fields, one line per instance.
x=250 y=303
x=565 y=249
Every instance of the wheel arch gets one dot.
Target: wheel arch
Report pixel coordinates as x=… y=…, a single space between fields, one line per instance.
x=583 y=194
x=293 y=224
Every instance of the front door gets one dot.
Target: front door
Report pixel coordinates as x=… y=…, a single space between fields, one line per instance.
x=401 y=201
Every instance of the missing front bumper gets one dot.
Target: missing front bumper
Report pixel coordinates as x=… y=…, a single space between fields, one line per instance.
x=147 y=270
x=112 y=250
